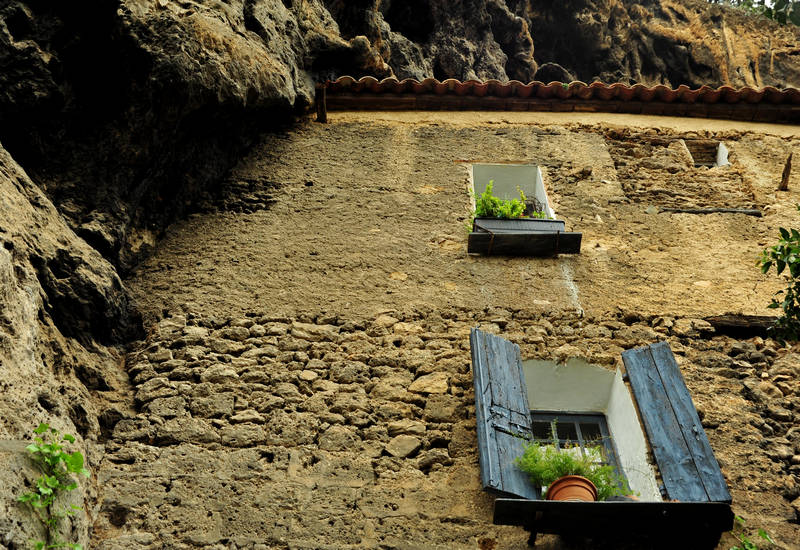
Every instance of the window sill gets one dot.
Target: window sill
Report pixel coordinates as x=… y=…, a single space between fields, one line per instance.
x=698 y=521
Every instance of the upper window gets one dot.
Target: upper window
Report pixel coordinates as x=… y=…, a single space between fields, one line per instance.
x=536 y=232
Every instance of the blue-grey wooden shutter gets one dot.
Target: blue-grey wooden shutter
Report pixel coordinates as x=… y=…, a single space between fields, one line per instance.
x=503 y=413
x=680 y=446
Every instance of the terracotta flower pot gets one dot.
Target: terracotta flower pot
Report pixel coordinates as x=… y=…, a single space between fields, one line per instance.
x=574 y=488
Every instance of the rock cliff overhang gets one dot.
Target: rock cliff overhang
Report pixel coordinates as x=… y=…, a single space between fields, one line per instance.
x=768 y=104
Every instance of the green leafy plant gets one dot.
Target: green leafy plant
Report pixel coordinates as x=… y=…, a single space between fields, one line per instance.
x=489 y=206
x=57 y=467
x=785 y=257
x=545 y=463
x=746 y=543
x=782 y=11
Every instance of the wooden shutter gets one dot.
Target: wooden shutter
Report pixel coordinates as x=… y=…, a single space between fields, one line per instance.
x=503 y=413
x=687 y=464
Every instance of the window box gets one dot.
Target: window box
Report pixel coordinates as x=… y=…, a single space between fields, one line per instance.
x=693 y=498
x=519 y=236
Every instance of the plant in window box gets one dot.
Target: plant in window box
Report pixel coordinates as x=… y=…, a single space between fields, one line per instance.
x=570 y=474
x=517 y=227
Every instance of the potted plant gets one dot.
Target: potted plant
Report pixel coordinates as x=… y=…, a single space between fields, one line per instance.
x=517 y=227
x=569 y=474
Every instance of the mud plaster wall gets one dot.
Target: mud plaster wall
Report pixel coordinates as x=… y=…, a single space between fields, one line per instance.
x=306 y=380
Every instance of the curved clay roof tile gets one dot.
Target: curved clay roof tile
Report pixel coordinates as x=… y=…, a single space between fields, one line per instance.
x=601 y=91
x=574 y=90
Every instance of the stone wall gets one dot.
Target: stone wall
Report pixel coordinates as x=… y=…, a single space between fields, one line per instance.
x=328 y=432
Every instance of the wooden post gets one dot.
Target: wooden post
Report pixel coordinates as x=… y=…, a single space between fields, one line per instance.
x=787 y=171
x=320 y=100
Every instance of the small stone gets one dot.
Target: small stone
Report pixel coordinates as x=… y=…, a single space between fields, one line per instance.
x=160 y=355
x=406 y=426
x=562 y=353
x=308 y=375
x=237 y=334
x=752 y=392
x=167 y=407
x=219 y=374
x=398 y=276
x=433 y=456
x=185 y=430
x=385 y=321
x=314 y=333
x=219 y=404
x=248 y=415
x=194 y=334
x=403 y=446
x=226 y=347
x=255 y=375
x=769 y=390
x=786 y=388
x=243 y=435
x=338 y=438
x=289 y=392
x=739 y=348
x=263 y=351
x=441 y=408
x=407 y=328
x=257 y=331
x=430 y=383
x=154 y=388
x=779 y=413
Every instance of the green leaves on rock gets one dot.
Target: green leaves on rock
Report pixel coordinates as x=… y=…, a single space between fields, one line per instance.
x=57 y=467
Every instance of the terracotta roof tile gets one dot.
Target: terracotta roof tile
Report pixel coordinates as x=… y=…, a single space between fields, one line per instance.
x=573 y=90
x=768 y=103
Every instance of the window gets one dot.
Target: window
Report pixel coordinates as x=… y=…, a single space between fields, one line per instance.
x=579 y=431
x=525 y=236
x=507 y=390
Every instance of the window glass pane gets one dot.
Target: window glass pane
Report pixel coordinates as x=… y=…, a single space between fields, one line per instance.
x=591 y=433
x=566 y=430
x=541 y=430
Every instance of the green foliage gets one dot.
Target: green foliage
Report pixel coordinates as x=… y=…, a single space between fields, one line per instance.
x=782 y=11
x=746 y=543
x=544 y=464
x=57 y=467
x=785 y=257
x=489 y=206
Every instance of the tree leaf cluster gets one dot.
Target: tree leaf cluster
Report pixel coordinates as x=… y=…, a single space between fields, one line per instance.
x=782 y=11
x=785 y=258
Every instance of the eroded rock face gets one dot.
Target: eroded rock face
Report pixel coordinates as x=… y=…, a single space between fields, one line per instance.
x=59 y=302
x=662 y=42
x=128 y=113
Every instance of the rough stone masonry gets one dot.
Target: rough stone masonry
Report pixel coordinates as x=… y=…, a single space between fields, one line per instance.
x=327 y=432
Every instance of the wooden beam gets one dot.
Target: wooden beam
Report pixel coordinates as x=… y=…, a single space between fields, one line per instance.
x=746 y=211
x=524 y=243
x=787 y=171
x=650 y=523
x=742 y=326
x=321 y=103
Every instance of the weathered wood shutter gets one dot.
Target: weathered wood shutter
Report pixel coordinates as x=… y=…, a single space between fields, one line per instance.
x=687 y=464
x=502 y=411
